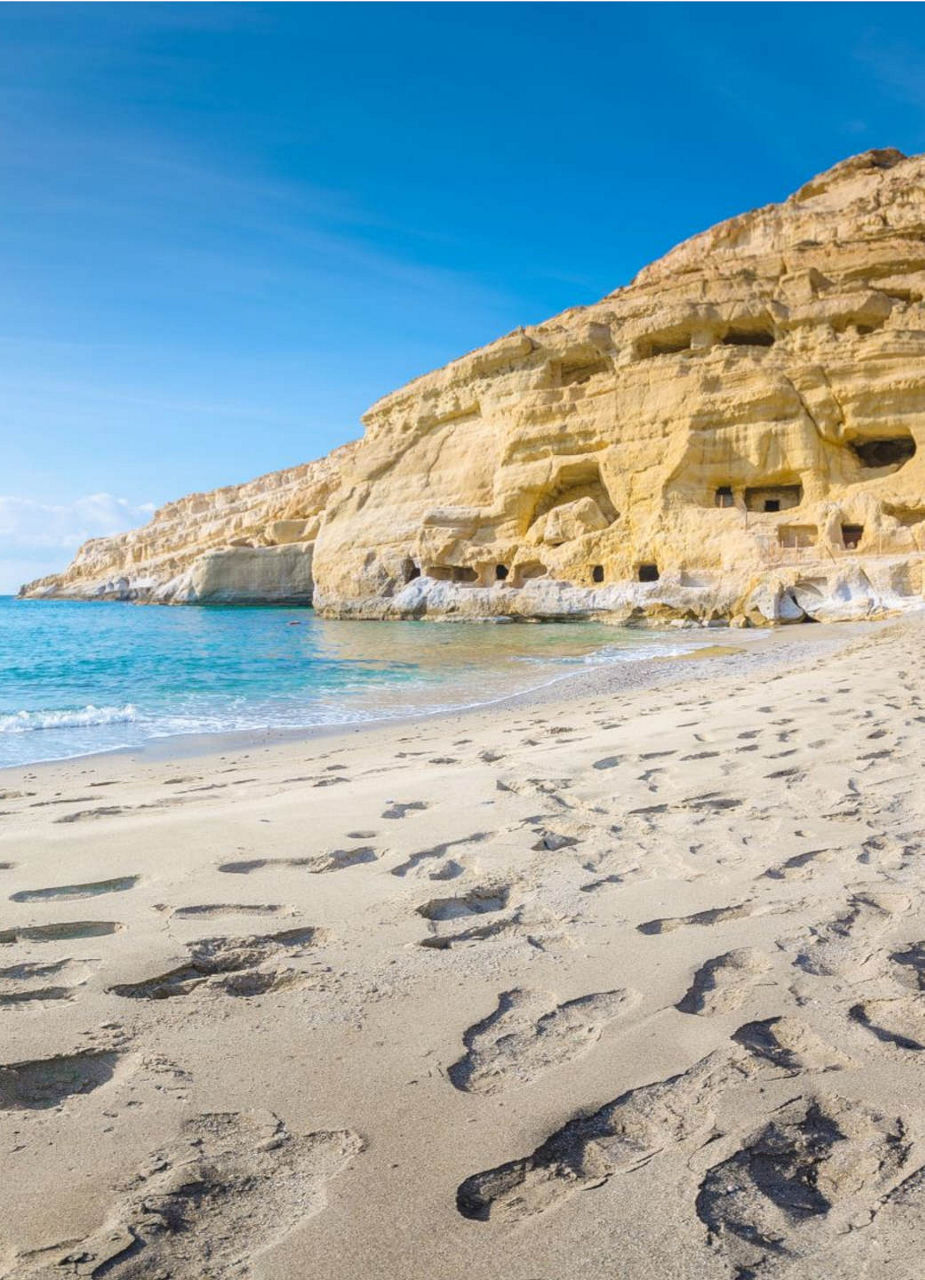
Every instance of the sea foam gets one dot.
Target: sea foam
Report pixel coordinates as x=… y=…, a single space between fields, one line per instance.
x=29 y=721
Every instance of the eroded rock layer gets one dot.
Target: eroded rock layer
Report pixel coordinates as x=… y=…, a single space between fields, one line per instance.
x=739 y=433
x=248 y=543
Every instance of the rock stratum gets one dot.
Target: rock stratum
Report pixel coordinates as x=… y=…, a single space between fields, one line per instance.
x=735 y=435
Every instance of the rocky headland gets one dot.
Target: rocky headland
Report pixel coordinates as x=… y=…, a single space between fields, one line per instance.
x=732 y=436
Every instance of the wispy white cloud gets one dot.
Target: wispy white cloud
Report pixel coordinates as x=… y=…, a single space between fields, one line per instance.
x=39 y=537
x=25 y=522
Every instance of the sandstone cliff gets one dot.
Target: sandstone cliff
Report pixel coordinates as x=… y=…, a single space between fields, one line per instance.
x=247 y=543
x=736 y=434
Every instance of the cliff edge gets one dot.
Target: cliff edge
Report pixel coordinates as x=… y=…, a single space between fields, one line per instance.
x=734 y=435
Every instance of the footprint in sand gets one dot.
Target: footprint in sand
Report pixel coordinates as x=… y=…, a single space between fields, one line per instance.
x=553 y=841
x=528 y=1033
x=890 y=853
x=102 y=811
x=22 y=984
x=18 y=999
x=800 y=866
x=723 y=983
x=910 y=966
x=476 y=902
x=712 y=802
x=68 y=931
x=620 y=1137
x=397 y=810
x=333 y=860
x=898 y=1235
x=230 y=966
x=209 y=1203
x=797 y=1185
x=541 y=933
x=118 y=885
x=593 y=885
x=715 y=915
x=447 y=871
x=900 y=1022
x=44 y=804
x=790 y=1044
x=438 y=852
x=482 y=901
x=47 y=1082
x=794 y=773
x=837 y=945
x=226 y=909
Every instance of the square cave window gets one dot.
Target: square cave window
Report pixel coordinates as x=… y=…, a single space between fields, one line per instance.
x=500 y=572
x=797 y=536
x=851 y=535
x=452 y=573
x=773 y=497
x=597 y=573
x=723 y=496
x=648 y=573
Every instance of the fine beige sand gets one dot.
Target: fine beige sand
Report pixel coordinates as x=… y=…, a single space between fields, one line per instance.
x=617 y=981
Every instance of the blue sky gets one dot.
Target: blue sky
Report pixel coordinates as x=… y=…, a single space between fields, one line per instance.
x=226 y=229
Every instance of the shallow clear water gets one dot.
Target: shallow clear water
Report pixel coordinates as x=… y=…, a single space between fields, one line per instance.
x=80 y=677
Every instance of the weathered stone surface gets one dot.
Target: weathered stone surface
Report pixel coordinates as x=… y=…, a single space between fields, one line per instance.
x=242 y=544
x=737 y=433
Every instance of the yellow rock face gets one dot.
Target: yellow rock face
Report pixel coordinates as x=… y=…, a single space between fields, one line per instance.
x=739 y=433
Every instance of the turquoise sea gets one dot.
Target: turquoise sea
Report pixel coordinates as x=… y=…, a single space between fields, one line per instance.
x=82 y=677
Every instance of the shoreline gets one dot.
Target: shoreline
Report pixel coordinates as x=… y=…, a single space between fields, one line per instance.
x=638 y=672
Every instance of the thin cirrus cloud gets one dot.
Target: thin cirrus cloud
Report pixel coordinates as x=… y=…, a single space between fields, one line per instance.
x=39 y=537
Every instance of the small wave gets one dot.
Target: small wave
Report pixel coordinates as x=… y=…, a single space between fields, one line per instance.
x=29 y=721
x=608 y=655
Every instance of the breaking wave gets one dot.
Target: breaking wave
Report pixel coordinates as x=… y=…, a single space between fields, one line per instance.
x=29 y=721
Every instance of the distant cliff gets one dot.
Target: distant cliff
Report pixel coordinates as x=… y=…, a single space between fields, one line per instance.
x=246 y=543
x=737 y=434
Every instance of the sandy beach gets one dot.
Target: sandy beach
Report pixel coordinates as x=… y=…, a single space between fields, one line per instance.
x=600 y=982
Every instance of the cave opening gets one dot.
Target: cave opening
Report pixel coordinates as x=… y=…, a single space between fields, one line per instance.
x=796 y=536
x=597 y=573
x=665 y=346
x=851 y=535
x=892 y=451
x=773 y=497
x=723 y=496
x=529 y=571
x=453 y=573
x=748 y=338
x=409 y=570
x=501 y=572
x=582 y=369
x=648 y=573
x=573 y=481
